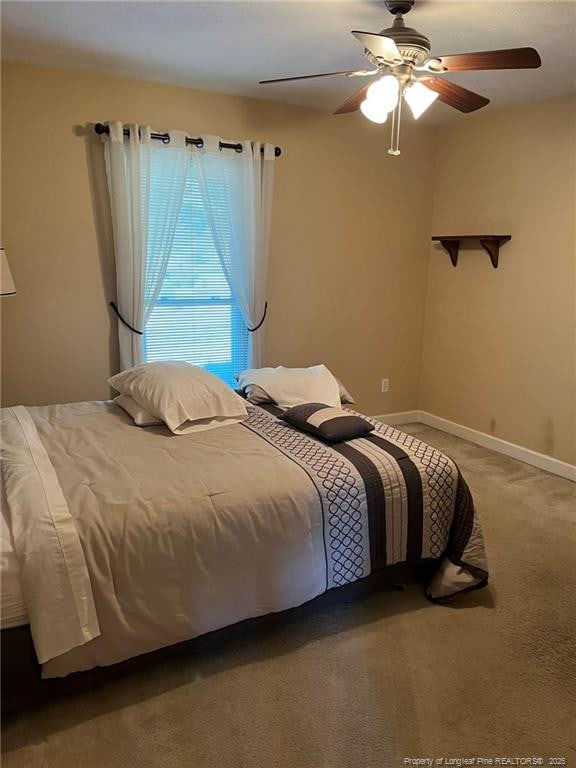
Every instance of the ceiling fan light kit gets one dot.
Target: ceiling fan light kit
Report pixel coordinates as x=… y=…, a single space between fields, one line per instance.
x=384 y=91
x=405 y=70
x=419 y=98
x=374 y=111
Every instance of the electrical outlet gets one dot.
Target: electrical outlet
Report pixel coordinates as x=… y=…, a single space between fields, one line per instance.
x=385 y=385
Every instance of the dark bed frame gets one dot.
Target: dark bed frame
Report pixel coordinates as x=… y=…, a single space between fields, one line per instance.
x=23 y=687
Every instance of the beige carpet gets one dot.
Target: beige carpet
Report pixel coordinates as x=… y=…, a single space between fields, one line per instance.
x=371 y=683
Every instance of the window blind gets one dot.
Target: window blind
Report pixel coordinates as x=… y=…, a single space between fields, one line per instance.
x=195 y=319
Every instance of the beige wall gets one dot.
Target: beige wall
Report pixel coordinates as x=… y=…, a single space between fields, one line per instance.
x=349 y=241
x=349 y=258
x=499 y=352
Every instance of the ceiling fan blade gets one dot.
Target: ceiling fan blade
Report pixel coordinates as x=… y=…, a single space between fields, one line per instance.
x=511 y=58
x=353 y=103
x=383 y=47
x=309 y=77
x=456 y=96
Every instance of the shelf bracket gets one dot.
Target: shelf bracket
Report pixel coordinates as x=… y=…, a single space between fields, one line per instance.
x=490 y=243
x=451 y=247
x=492 y=247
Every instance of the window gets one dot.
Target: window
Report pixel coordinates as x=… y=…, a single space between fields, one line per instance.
x=195 y=319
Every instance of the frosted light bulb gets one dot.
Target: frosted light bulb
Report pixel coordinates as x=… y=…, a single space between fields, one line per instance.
x=385 y=91
x=419 y=98
x=374 y=111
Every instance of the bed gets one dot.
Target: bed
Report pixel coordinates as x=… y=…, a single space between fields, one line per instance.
x=119 y=541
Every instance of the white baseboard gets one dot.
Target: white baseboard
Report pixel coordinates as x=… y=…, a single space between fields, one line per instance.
x=540 y=460
x=405 y=417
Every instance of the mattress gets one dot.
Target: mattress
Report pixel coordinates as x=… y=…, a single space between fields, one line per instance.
x=13 y=611
x=131 y=539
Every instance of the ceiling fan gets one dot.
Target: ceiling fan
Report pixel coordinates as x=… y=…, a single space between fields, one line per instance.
x=403 y=68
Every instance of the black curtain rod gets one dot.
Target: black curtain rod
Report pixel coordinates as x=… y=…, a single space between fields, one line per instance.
x=100 y=128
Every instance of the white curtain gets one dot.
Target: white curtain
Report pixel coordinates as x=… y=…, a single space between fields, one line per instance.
x=143 y=233
x=236 y=189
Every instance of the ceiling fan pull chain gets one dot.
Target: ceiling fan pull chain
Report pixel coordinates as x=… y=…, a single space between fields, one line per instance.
x=395 y=137
x=398 y=118
x=391 y=150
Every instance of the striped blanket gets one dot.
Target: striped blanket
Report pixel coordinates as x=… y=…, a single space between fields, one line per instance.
x=386 y=498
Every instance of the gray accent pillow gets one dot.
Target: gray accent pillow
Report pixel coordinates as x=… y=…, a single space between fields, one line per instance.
x=332 y=425
x=256 y=395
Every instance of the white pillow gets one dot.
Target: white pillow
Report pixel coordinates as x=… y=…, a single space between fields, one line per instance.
x=294 y=386
x=186 y=397
x=141 y=417
x=256 y=395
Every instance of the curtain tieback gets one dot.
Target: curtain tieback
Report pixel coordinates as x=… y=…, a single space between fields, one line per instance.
x=252 y=330
x=140 y=333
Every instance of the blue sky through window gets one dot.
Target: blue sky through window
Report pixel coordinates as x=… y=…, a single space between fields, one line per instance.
x=195 y=318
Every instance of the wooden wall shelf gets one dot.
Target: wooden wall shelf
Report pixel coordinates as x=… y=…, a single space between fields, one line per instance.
x=490 y=243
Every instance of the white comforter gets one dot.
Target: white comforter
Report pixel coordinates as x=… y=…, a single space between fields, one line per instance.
x=158 y=538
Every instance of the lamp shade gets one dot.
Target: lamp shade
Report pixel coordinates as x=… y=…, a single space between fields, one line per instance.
x=374 y=111
x=384 y=92
x=419 y=98
x=7 y=287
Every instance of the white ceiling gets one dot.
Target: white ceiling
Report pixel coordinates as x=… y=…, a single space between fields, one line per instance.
x=229 y=46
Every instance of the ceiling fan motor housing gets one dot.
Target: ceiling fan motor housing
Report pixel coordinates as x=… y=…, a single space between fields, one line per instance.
x=399 y=6
x=413 y=45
